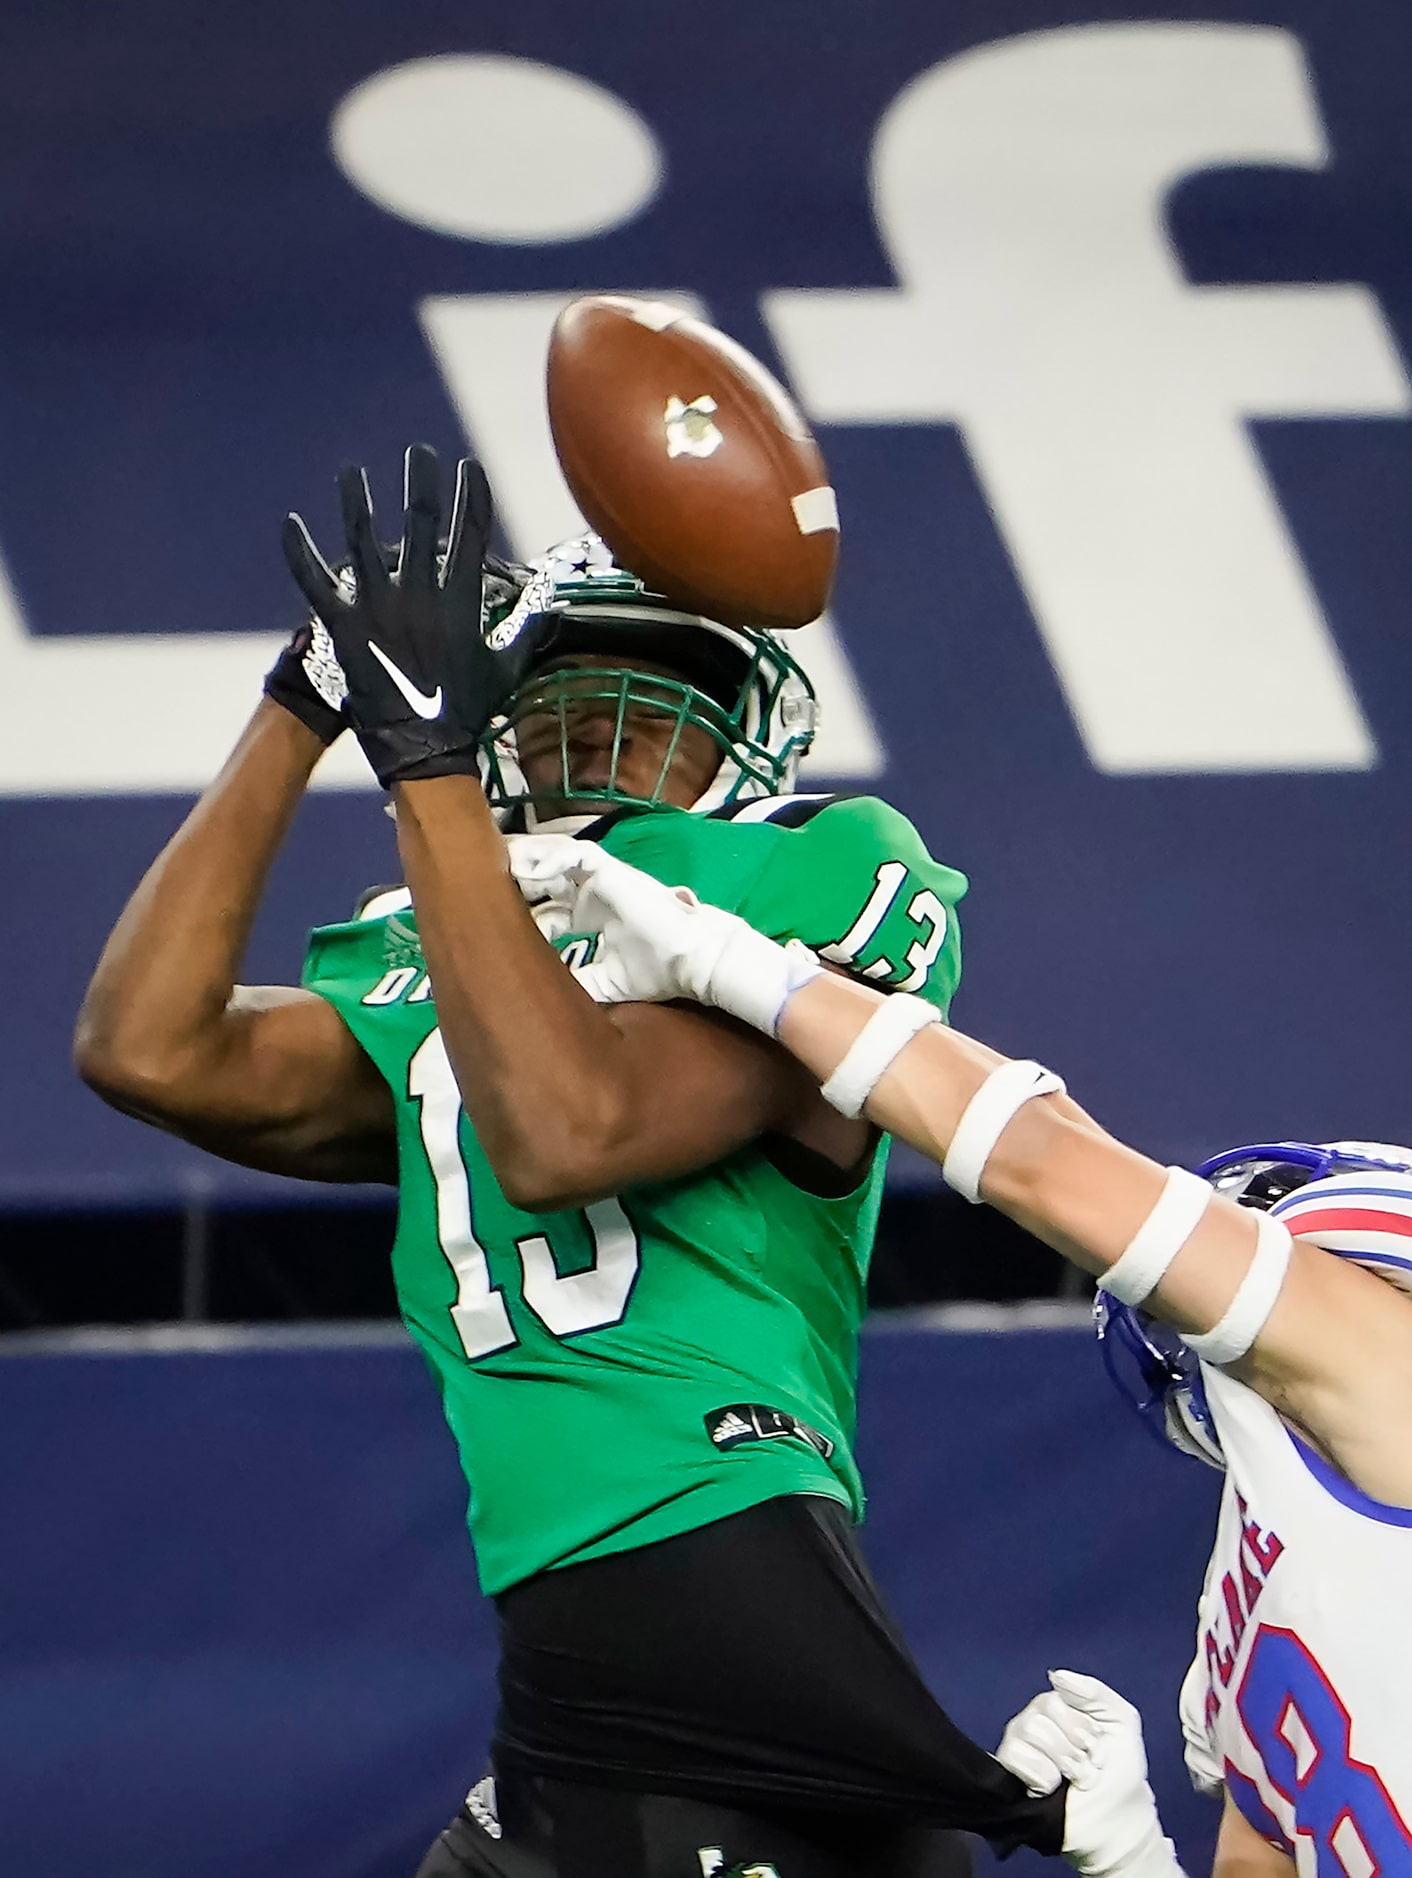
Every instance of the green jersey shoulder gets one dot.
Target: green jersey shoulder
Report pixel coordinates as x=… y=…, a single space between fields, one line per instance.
x=848 y=875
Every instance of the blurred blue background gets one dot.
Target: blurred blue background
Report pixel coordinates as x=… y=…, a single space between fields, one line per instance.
x=1118 y=420
x=245 y=1639
x=1103 y=324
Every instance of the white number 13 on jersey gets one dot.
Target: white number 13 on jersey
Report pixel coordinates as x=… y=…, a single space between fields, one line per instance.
x=565 y=1305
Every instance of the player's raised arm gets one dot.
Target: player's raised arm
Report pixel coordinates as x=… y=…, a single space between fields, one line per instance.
x=265 y=1076
x=571 y=1101
x=1328 y=1344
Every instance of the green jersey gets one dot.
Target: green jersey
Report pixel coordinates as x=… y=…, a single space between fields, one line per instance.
x=687 y=1348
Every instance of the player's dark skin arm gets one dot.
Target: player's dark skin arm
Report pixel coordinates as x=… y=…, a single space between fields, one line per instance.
x=569 y=1099
x=265 y=1076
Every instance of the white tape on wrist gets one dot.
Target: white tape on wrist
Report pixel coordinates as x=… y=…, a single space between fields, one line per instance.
x=1159 y=1238
x=1252 y=1304
x=872 y=1052
x=987 y=1115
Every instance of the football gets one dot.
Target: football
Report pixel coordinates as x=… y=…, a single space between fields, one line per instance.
x=692 y=462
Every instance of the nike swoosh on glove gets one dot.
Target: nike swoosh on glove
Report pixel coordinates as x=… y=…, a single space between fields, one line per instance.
x=422 y=682
x=658 y=942
x=1084 y=1732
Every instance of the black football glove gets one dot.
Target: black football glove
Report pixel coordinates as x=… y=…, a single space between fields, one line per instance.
x=422 y=682
x=308 y=680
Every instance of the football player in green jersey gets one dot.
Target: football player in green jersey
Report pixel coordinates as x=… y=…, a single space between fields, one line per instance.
x=632 y=1239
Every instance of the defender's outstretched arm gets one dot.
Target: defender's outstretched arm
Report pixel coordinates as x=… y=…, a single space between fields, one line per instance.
x=1332 y=1352
x=266 y=1076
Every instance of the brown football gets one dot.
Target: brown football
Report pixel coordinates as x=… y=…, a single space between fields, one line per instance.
x=691 y=462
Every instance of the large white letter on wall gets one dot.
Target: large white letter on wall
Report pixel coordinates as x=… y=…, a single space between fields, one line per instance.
x=433 y=141
x=1020 y=189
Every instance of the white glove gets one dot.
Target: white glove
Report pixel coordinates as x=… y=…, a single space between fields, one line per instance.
x=658 y=942
x=1083 y=1731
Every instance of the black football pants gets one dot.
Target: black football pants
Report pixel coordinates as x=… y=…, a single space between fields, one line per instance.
x=553 y=1829
x=737 y=1686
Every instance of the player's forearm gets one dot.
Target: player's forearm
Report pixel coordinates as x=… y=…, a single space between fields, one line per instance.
x=1332 y=1353
x=924 y=1094
x=152 y=1016
x=1053 y=1170
x=541 y=1067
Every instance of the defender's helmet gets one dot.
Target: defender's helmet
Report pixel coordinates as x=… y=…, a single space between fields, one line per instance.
x=738 y=684
x=1353 y=1198
x=1158 y=1376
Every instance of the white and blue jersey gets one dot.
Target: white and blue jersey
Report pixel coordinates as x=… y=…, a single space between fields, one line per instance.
x=1299 y=1699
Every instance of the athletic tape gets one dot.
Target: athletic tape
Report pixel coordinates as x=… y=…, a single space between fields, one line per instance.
x=887 y=1032
x=987 y=1115
x=1252 y=1304
x=816 y=510
x=1157 y=1241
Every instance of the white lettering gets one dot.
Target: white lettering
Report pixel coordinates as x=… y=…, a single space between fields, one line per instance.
x=99 y=713
x=1020 y=190
x=497 y=149
x=391 y=985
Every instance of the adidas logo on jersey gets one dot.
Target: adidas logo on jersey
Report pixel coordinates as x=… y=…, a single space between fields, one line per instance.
x=730 y=1428
x=748 y=1421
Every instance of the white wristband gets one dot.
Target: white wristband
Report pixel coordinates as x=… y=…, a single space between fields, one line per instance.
x=1252 y=1304
x=987 y=1115
x=1159 y=1238
x=886 y=1034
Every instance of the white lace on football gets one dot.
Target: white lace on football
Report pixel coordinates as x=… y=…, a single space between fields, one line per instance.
x=1157 y=1241
x=1253 y=1302
x=986 y=1117
x=872 y=1052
